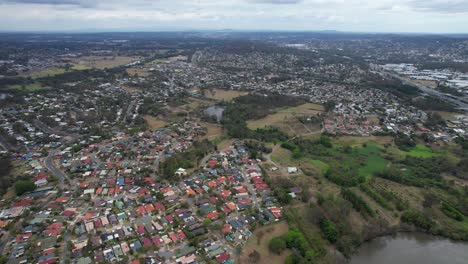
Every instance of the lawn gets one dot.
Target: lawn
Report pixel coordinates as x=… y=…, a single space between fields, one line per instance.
x=421 y=151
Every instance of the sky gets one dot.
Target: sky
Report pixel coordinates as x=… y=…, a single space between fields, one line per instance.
x=424 y=16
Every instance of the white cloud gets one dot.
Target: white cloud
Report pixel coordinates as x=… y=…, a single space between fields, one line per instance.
x=349 y=15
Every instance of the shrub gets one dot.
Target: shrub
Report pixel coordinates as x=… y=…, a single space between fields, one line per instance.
x=417 y=219
x=329 y=230
x=24 y=186
x=451 y=212
x=277 y=245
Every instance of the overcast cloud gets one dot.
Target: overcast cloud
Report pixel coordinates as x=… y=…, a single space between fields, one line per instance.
x=437 y=16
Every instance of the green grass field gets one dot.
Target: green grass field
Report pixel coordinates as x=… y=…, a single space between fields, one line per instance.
x=34 y=87
x=320 y=165
x=421 y=151
x=374 y=161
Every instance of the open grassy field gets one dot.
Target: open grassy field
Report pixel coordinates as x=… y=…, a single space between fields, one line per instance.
x=286 y=119
x=191 y=105
x=44 y=73
x=154 y=122
x=226 y=95
x=33 y=87
x=79 y=67
x=140 y=72
x=374 y=162
x=421 y=151
x=356 y=141
x=101 y=62
x=431 y=84
x=259 y=242
x=213 y=132
x=366 y=159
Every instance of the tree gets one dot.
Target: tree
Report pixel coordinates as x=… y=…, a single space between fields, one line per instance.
x=329 y=230
x=254 y=257
x=207 y=222
x=24 y=186
x=277 y=245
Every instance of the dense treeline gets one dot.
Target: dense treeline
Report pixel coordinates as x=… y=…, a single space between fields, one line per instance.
x=391 y=85
x=254 y=107
x=434 y=104
x=77 y=76
x=295 y=240
x=358 y=203
x=5 y=169
x=449 y=90
x=329 y=230
x=150 y=106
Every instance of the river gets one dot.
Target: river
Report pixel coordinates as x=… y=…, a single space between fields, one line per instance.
x=415 y=248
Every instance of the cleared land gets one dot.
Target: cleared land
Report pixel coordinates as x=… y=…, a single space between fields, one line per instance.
x=259 y=242
x=154 y=122
x=226 y=95
x=137 y=71
x=44 y=72
x=213 y=132
x=286 y=119
x=101 y=62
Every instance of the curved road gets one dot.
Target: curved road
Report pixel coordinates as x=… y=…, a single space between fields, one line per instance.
x=49 y=164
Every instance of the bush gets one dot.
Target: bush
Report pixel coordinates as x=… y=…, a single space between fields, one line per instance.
x=358 y=203
x=417 y=219
x=329 y=230
x=451 y=212
x=24 y=186
x=277 y=245
x=375 y=196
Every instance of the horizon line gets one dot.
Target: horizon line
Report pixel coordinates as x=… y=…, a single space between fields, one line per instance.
x=102 y=31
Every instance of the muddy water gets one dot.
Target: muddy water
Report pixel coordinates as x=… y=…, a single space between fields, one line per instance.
x=415 y=248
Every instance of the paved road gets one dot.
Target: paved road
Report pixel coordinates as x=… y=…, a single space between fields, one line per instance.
x=44 y=128
x=49 y=164
x=460 y=104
